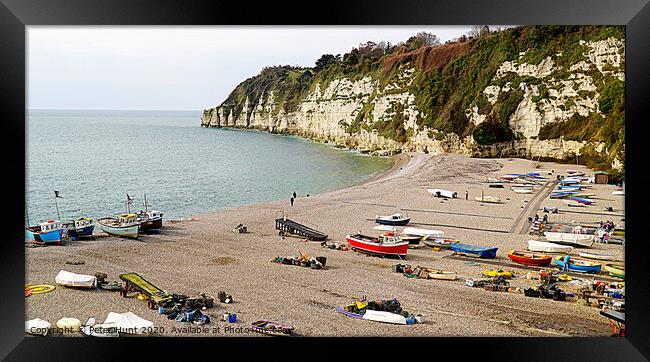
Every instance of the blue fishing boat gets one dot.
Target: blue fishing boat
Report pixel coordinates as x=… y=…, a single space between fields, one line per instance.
x=485 y=252
x=582 y=201
x=562 y=194
x=49 y=232
x=569 y=187
x=80 y=228
x=395 y=219
x=568 y=263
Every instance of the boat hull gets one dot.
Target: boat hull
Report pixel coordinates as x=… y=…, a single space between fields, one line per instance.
x=474 y=251
x=597 y=256
x=543 y=246
x=50 y=237
x=358 y=243
x=401 y=222
x=122 y=231
x=578 y=240
x=592 y=268
x=530 y=258
x=615 y=271
x=439 y=243
x=151 y=226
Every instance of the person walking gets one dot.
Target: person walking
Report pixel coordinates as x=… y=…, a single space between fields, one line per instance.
x=294 y=194
x=466 y=195
x=292 y=201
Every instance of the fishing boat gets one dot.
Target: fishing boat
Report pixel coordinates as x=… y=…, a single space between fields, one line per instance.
x=439 y=243
x=488 y=199
x=440 y=274
x=573 y=239
x=577 y=265
x=272 y=328
x=615 y=270
x=528 y=258
x=49 y=232
x=383 y=245
x=81 y=227
x=582 y=201
x=413 y=240
x=150 y=221
x=522 y=190
x=424 y=232
x=543 y=246
x=126 y=225
x=443 y=193
x=395 y=219
x=486 y=252
x=599 y=256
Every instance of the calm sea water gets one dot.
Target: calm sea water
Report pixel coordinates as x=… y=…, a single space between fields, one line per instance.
x=94 y=158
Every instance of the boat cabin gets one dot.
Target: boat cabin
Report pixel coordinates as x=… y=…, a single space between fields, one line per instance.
x=51 y=225
x=83 y=222
x=154 y=214
x=128 y=219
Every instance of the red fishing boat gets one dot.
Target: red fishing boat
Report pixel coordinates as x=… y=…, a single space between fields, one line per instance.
x=528 y=258
x=386 y=244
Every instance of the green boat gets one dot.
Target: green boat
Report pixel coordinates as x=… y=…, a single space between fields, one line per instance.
x=615 y=270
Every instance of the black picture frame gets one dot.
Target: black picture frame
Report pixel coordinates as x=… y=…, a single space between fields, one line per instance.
x=16 y=15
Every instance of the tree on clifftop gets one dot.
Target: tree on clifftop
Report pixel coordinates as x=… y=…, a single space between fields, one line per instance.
x=325 y=60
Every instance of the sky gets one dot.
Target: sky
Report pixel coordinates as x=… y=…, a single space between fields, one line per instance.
x=146 y=67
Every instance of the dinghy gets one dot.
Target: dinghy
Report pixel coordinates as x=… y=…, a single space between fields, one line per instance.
x=439 y=243
x=443 y=193
x=527 y=258
x=615 y=270
x=486 y=252
x=384 y=245
x=440 y=274
x=522 y=190
x=73 y=280
x=582 y=201
x=577 y=265
x=385 y=317
x=488 y=199
x=424 y=232
x=395 y=219
x=599 y=256
x=577 y=240
x=543 y=246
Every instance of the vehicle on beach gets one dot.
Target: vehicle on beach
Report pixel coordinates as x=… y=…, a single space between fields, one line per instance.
x=544 y=246
x=385 y=245
x=485 y=252
x=126 y=225
x=396 y=219
x=81 y=227
x=49 y=232
x=573 y=239
x=529 y=258
x=569 y=263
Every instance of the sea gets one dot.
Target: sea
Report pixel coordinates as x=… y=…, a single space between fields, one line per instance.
x=95 y=158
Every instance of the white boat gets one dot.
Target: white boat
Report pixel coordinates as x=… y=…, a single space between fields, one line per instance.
x=522 y=190
x=618 y=193
x=129 y=323
x=126 y=225
x=37 y=327
x=443 y=193
x=385 y=228
x=73 y=280
x=580 y=240
x=440 y=274
x=424 y=232
x=599 y=256
x=385 y=317
x=488 y=199
x=544 y=246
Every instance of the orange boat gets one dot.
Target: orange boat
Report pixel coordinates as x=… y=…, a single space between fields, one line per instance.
x=528 y=258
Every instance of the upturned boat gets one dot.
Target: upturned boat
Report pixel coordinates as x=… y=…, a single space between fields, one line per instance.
x=395 y=219
x=439 y=242
x=486 y=252
x=599 y=255
x=576 y=265
x=126 y=225
x=384 y=245
x=615 y=270
x=544 y=246
x=529 y=258
x=488 y=199
x=49 y=232
x=582 y=200
x=573 y=239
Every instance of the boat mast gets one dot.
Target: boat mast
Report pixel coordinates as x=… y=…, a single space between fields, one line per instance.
x=27 y=215
x=145 y=203
x=56 y=195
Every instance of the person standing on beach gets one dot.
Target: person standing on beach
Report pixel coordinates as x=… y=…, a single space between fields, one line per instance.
x=466 y=195
x=292 y=201
x=294 y=194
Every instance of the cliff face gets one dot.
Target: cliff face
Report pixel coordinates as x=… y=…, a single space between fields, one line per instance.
x=547 y=92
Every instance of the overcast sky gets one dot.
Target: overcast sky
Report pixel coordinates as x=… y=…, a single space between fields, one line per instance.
x=142 y=67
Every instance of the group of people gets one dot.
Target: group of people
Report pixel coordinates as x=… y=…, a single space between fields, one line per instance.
x=293 y=197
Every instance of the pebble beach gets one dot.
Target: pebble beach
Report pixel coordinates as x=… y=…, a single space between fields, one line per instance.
x=202 y=254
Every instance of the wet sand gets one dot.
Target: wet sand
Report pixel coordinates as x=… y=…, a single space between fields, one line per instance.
x=203 y=255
